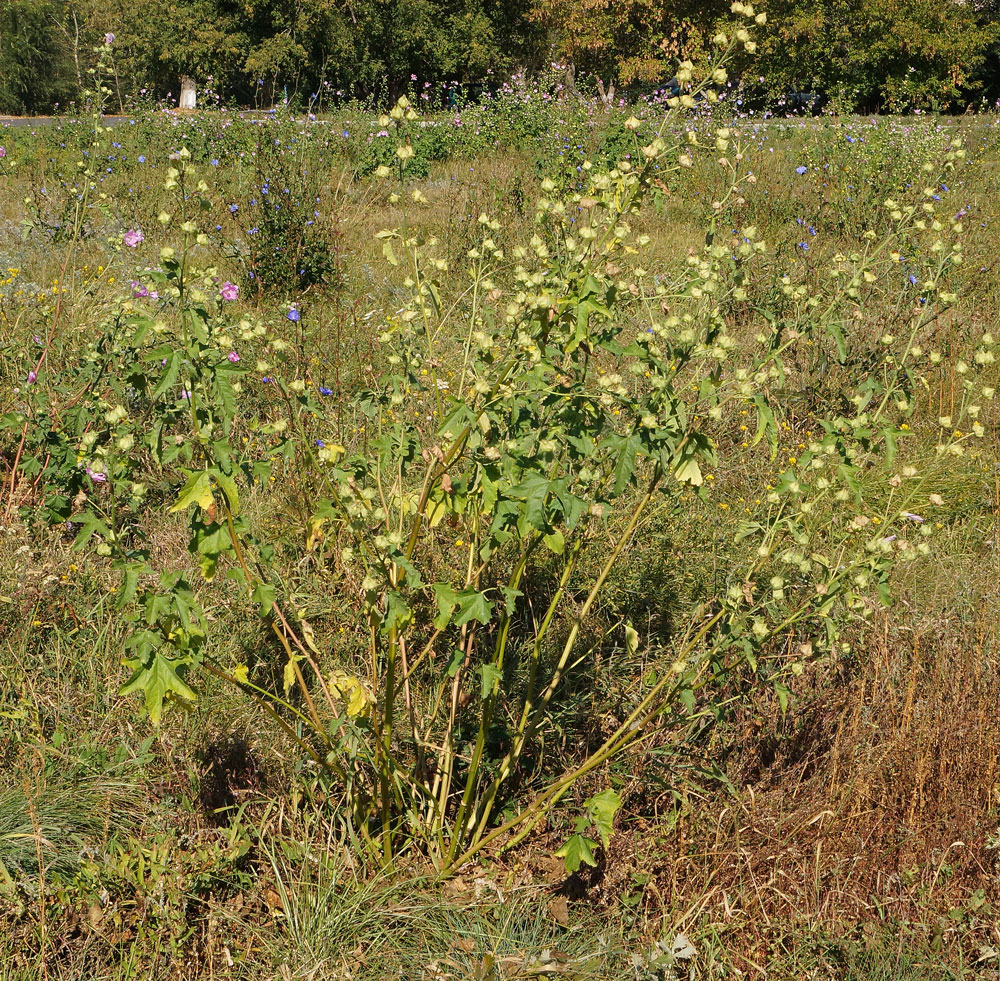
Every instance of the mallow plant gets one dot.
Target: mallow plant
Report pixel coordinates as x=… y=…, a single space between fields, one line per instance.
x=534 y=409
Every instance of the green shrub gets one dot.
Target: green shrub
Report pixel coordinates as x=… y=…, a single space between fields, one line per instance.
x=527 y=414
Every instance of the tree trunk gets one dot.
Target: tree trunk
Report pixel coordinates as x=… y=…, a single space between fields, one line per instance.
x=188 y=98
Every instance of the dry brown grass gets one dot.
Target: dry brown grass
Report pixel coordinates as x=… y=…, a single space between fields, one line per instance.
x=872 y=802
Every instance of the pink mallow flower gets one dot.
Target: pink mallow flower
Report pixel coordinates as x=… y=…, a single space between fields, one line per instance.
x=229 y=291
x=233 y=356
x=133 y=237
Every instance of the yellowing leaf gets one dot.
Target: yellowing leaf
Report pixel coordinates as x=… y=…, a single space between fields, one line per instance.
x=331 y=453
x=288 y=678
x=355 y=696
x=197 y=490
x=308 y=634
x=688 y=472
x=631 y=638
x=315 y=535
x=241 y=673
x=435 y=511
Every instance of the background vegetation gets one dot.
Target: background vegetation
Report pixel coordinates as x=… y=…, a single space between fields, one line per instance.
x=858 y=54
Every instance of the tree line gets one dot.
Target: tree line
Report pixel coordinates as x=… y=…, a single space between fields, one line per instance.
x=868 y=55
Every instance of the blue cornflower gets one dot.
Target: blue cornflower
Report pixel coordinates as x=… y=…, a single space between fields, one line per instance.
x=142 y=157
x=319 y=443
x=801 y=169
x=233 y=208
x=323 y=390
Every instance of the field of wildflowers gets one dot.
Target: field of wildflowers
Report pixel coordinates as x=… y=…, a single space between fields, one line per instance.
x=531 y=538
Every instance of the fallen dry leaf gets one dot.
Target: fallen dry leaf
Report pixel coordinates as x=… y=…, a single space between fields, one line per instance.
x=559 y=910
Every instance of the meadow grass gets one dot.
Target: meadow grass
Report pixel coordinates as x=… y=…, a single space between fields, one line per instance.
x=852 y=833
